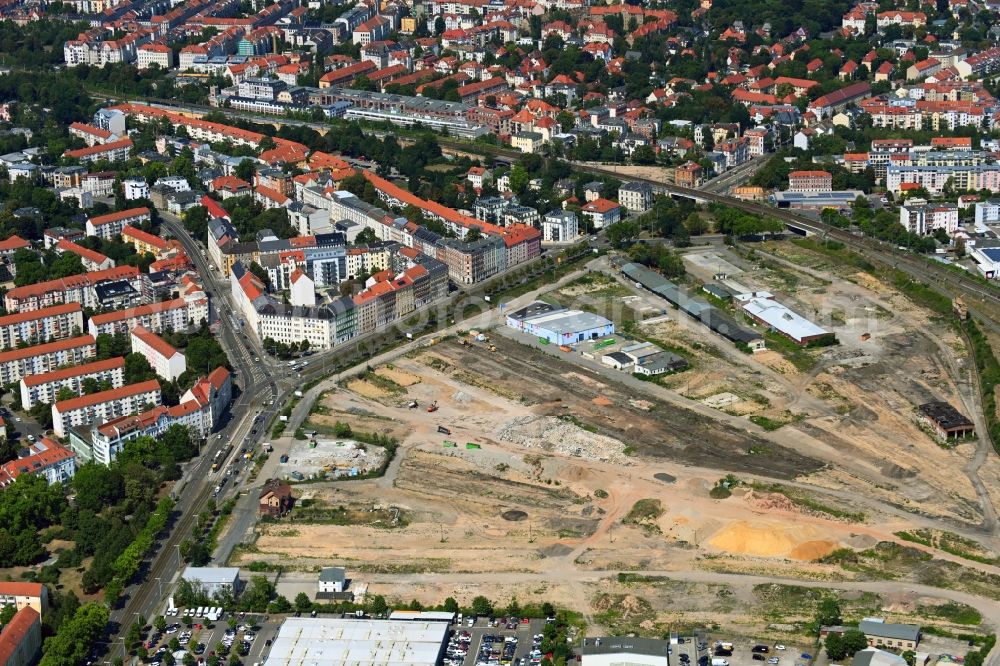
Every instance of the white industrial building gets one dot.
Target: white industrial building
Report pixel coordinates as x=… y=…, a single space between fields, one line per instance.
x=304 y=641
x=762 y=308
x=613 y=651
x=559 y=325
x=212 y=580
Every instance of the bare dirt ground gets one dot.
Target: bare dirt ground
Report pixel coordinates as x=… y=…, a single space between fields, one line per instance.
x=567 y=453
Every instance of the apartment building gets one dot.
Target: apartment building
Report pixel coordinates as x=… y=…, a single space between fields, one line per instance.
x=25 y=595
x=103 y=406
x=636 y=197
x=154 y=53
x=90 y=134
x=143 y=241
x=18 y=363
x=45 y=387
x=35 y=326
x=602 y=213
x=987 y=212
x=166 y=361
x=92 y=259
x=79 y=288
x=110 y=226
x=560 y=226
x=113 y=151
x=21 y=639
x=810 y=181
x=180 y=314
x=920 y=217
x=46 y=458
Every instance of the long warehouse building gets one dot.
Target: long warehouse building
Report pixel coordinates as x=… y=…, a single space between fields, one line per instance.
x=304 y=641
x=707 y=314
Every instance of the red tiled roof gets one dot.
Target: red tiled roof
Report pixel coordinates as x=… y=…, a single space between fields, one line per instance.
x=15 y=632
x=158 y=344
x=16 y=589
x=39 y=458
x=117 y=217
x=138 y=311
x=13 y=243
x=107 y=396
x=99 y=148
x=74 y=371
x=47 y=348
x=128 y=231
x=600 y=206
x=53 y=311
x=84 y=252
x=79 y=280
x=90 y=129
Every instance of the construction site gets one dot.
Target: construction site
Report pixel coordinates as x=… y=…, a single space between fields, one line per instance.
x=532 y=472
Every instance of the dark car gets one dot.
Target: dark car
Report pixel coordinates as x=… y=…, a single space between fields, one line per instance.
x=763 y=649
x=758 y=657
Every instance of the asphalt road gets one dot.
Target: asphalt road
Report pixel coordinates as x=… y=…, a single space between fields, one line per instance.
x=254 y=383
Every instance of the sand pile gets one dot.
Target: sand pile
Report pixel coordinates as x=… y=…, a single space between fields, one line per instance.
x=551 y=434
x=767 y=540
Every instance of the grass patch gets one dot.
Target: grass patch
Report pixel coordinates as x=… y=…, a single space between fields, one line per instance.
x=799 y=499
x=800 y=357
x=644 y=513
x=949 y=542
x=768 y=424
x=954 y=612
x=836 y=251
x=988 y=371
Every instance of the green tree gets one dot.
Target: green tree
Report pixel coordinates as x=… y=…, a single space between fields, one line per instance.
x=828 y=612
x=366 y=237
x=853 y=641
x=246 y=169
x=196 y=220
x=451 y=605
x=160 y=624
x=518 y=179
x=73 y=641
x=481 y=606
x=7 y=613
x=696 y=224
x=378 y=605
x=302 y=602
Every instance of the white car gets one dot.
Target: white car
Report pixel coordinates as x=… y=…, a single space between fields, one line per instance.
x=249 y=636
x=779 y=647
x=773 y=660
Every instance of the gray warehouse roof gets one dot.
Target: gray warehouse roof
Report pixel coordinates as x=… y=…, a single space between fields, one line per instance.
x=304 y=641
x=897 y=632
x=615 y=645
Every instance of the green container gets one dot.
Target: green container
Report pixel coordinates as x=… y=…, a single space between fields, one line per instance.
x=470 y=445
x=448 y=444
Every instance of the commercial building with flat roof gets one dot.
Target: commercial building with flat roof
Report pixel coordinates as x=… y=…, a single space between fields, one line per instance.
x=304 y=641
x=559 y=325
x=212 y=580
x=614 y=650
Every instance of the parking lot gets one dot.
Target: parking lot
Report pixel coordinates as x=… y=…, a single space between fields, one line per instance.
x=492 y=642
x=742 y=653
x=211 y=635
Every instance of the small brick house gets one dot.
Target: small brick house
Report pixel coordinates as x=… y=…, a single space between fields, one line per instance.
x=275 y=498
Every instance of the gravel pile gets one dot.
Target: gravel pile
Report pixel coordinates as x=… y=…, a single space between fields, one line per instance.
x=551 y=434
